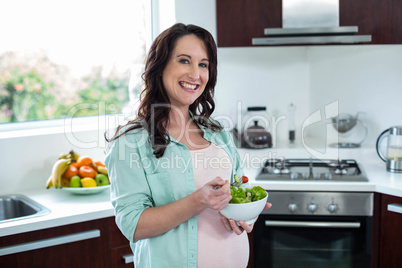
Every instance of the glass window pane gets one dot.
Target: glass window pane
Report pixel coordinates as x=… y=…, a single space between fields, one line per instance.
x=66 y=57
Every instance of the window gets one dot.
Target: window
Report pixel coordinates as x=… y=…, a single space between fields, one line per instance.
x=71 y=57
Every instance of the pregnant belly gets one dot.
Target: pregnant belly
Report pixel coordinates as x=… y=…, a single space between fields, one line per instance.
x=217 y=247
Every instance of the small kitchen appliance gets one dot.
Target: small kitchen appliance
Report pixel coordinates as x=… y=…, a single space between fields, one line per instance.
x=254 y=131
x=352 y=131
x=393 y=156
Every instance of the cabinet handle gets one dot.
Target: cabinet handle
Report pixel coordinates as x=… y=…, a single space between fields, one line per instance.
x=128 y=258
x=313 y=224
x=60 y=240
x=395 y=208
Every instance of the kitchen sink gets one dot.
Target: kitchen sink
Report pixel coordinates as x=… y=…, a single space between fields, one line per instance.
x=18 y=207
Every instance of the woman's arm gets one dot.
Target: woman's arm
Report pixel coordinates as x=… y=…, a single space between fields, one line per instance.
x=155 y=221
x=230 y=224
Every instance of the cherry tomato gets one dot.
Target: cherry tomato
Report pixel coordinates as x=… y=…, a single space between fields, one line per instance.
x=245 y=179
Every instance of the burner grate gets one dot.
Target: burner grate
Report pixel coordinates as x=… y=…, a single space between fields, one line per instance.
x=312 y=169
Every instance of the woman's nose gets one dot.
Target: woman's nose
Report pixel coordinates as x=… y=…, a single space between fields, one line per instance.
x=194 y=73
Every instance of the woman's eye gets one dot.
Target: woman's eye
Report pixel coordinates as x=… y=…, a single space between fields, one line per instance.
x=203 y=65
x=184 y=61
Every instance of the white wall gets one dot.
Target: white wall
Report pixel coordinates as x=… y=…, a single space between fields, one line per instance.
x=271 y=77
x=26 y=161
x=201 y=13
x=363 y=79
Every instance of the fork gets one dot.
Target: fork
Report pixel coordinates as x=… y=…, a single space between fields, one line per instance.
x=237 y=183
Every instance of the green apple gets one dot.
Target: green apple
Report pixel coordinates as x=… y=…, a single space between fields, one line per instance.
x=101 y=179
x=75 y=181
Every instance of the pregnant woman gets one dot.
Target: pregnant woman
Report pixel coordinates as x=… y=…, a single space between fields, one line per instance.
x=164 y=165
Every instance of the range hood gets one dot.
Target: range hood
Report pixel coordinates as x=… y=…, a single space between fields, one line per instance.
x=310 y=22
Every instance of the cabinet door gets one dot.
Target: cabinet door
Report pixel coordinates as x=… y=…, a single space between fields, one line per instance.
x=76 y=245
x=390 y=236
x=382 y=19
x=116 y=238
x=121 y=254
x=238 y=21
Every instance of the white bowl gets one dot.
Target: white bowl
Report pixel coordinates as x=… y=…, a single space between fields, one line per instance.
x=247 y=212
x=86 y=190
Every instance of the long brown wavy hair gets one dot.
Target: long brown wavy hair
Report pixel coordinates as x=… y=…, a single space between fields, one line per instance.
x=153 y=112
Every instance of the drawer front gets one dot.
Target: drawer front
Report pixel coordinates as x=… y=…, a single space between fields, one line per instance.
x=122 y=257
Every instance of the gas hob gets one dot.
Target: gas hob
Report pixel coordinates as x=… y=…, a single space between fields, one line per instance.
x=312 y=170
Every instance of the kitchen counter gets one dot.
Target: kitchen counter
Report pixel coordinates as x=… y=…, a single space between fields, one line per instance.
x=65 y=208
x=68 y=208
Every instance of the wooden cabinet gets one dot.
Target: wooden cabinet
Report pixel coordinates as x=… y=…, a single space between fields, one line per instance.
x=122 y=257
x=121 y=254
x=381 y=19
x=238 y=21
x=387 y=238
x=96 y=243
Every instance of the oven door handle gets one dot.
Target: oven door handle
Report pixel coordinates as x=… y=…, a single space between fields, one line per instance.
x=312 y=224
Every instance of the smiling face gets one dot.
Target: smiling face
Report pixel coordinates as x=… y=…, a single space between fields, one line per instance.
x=186 y=73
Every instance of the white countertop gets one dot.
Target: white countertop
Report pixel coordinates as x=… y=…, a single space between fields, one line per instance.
x=68 y=208
x=65 y=208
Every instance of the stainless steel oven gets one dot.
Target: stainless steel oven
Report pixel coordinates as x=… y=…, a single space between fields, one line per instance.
x=314 y=229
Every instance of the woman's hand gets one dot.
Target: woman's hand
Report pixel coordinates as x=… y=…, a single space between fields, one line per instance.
x=213 y=198
x=231 y=225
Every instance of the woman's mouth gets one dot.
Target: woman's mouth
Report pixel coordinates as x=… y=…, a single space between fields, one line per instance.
x=188 y=86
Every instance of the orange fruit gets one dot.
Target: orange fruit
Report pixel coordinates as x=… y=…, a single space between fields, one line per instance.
x=99 y=163
x=71 y=171
x=87 y=171
x=84 y=160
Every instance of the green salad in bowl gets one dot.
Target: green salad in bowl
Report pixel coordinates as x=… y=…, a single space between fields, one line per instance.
x=246 y=203
x=240 y=196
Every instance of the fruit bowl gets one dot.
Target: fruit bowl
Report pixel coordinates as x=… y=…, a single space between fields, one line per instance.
x=86 y=190
x=247 y=212
x=78 y=174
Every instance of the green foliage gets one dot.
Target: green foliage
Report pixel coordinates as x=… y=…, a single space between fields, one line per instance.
x=26 y=96
x=101 y=96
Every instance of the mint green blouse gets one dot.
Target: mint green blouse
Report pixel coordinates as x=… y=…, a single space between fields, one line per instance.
x=139 y=181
